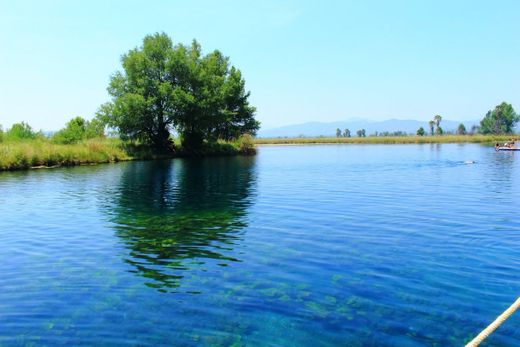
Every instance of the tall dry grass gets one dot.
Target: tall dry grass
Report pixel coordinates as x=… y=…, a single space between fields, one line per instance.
x=387 y=139
x=24 y=154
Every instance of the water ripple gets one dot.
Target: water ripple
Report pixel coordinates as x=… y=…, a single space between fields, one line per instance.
x=399 y=245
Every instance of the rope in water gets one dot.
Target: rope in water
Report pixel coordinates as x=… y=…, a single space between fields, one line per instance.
x=496 y=323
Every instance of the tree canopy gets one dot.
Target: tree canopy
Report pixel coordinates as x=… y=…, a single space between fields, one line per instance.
x=501 y=120
x=78 y=129
x=21 y=131
x=164 y=87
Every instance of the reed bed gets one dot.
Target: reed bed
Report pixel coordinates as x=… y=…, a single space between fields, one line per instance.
x=386 y=139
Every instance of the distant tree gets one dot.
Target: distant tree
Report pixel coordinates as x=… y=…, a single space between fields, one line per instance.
x=501 y=120
x=346 y=133
x=431 y=124
x=165 y=87
x=73 y=132
x=338 y=132
x=461 y=130
x=420 y=131
x=394 y=133
x=21 y=131
x=361 y=133
x=437 y=119
x=1 y=134
x=475 y=129
x=78 y=129
x=95 y=128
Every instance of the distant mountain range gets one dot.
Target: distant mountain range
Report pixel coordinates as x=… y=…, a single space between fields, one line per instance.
x=329 y=129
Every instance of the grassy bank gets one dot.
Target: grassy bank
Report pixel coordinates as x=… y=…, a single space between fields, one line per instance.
x=386 y=139
x=42 y=153
x=24 y=154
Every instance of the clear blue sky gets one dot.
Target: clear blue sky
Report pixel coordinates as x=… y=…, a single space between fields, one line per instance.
x=302 y=60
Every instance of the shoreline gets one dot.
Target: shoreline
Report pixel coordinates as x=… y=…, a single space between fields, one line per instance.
x=39 y=155
x=42 y=154
x=386 y=140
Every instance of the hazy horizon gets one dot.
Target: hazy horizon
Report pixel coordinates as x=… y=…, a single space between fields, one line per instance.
x=302 y=61
x=359 y=119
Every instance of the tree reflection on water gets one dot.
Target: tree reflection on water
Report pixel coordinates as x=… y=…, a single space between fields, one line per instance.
x=178 y=215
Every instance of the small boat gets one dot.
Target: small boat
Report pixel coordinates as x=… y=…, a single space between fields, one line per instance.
x=507 y=148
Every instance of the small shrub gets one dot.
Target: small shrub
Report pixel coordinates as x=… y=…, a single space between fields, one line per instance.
x=246 y=144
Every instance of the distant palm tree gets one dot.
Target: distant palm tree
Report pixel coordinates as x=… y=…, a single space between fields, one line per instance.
x=437 y=120
x=431 y=124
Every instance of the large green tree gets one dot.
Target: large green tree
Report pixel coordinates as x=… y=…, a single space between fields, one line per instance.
x=165 y=87
x=501 y=120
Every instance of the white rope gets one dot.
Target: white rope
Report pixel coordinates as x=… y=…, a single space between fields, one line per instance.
x=496 y=323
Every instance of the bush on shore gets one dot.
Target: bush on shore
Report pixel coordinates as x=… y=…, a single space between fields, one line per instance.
x=246 y=144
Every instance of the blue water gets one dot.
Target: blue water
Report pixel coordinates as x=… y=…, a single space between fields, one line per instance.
x=350 y=245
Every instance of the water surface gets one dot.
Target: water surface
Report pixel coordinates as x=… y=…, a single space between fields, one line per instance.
x=398 y=245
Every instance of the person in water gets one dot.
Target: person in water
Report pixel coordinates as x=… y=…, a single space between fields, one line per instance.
x=509 y=144
x=497 y=146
